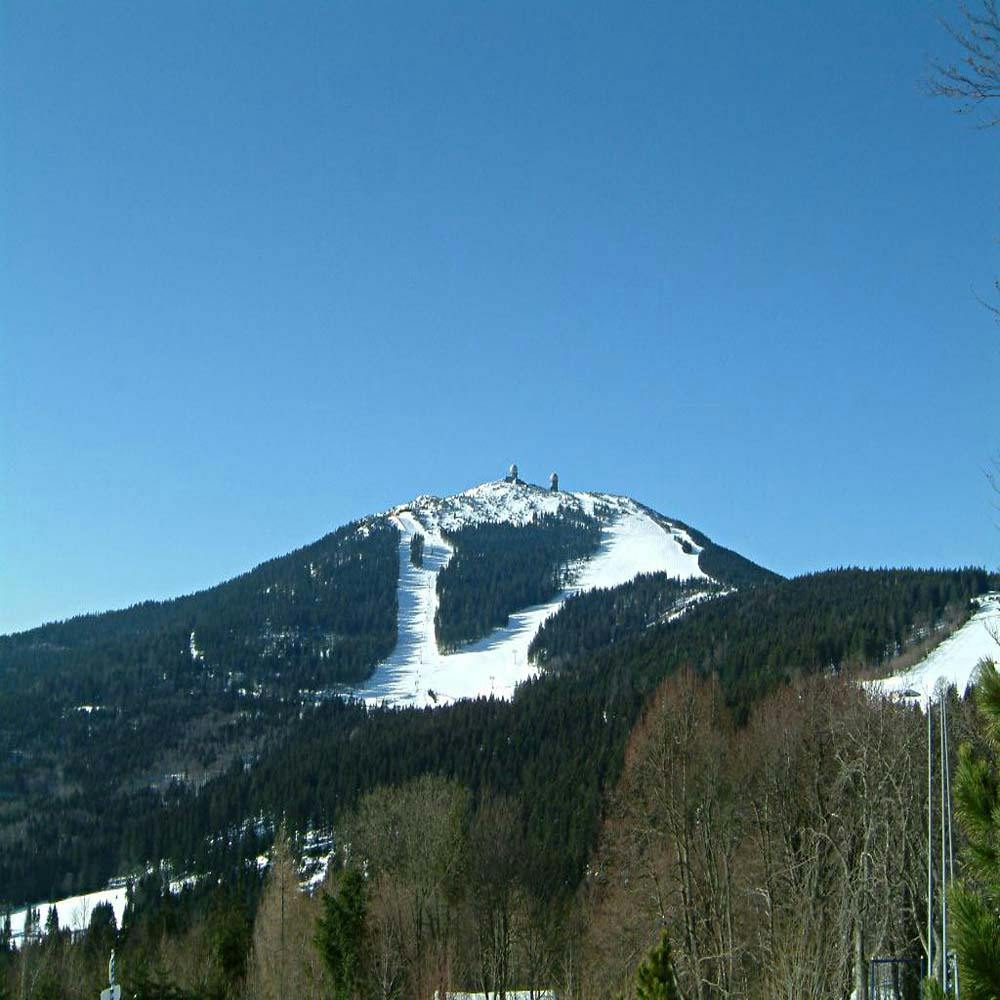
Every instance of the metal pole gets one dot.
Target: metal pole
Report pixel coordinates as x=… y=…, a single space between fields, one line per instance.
x=947 y=790
x=944 y=870
x=953 y=967
x=930 y=850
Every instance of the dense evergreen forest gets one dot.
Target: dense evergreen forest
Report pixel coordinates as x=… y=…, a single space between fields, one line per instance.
x=606 y=616
x=554 y=749
x=539 y=768
x=499 y=568
x=324 y=612
x=104 y=711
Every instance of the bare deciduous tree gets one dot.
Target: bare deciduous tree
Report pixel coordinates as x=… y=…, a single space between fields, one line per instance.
x=974 y=78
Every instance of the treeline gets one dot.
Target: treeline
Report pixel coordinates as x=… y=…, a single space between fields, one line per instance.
x=328 y=608
x=758 y=639
x=556 y=747
x=500 y=568
x=776 y=854
x=99 y=714
x=605 y=616
x=718 y=562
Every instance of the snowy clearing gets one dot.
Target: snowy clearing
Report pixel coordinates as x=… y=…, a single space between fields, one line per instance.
x=417 y=674
x=74 y=912
x=954 y=662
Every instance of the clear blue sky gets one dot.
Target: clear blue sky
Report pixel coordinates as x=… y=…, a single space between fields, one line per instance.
x=268 y=267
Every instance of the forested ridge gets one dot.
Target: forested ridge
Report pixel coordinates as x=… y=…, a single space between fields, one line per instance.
x=551 y=756
x=99 y=714
x=607 y=615
x=329 y=608
x=555 y=747
x=499 y=568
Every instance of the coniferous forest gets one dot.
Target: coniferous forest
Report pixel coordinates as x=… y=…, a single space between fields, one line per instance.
x=499 y=568
x=530 y=795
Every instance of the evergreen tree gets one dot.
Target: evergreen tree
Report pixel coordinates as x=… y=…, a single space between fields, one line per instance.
x=32 y=923
x=340 y=935
x=52 y=923
x=975 y=901
x=655 y=979
x=417 y=549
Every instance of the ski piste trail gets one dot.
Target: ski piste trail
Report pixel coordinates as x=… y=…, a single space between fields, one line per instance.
x=954 y=662
x=418 y=674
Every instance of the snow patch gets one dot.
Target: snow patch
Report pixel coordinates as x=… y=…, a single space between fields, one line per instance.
x=73 y=912
x=954 y=661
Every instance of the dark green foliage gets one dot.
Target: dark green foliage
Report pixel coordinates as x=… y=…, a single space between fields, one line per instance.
x=145 y=983
x=975 y=902
x=555 y=749
x=417 y=549
x=756 y=639
x=340 y=935
x=604 y=617
x=328 y=609
x=732 y=569
x=559 y=744
x=500 y=568
x=102 y=931
x=193 y=685
x=230 y=933
x=655 y=979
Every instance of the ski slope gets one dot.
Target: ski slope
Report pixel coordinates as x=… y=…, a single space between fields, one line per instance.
x=74 y=912
x=954 y=661
x=418 y=674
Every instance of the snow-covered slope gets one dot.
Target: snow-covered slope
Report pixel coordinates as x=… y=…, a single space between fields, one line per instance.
x=954 y=662
x=418 y=674
x=74 y=912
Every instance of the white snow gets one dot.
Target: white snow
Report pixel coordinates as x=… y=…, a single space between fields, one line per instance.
x=74 y=912
x=954 y=661
x=418 y=674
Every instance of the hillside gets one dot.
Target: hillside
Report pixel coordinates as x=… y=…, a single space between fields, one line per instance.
x=178 y=732
x=501 y=560
x=106 y=716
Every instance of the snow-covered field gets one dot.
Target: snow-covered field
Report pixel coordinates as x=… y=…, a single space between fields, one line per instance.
x=418 y=674
x=73 y=912
x=954 y=661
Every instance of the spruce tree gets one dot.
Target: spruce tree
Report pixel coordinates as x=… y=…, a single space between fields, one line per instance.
x=655 y=979
x=340 y=935
x=975 y=901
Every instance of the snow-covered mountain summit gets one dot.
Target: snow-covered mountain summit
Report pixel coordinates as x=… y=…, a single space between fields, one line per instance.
x=633 y=540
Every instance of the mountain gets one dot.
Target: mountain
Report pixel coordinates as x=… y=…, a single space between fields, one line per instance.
x=500 y=560
x=182 y=730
